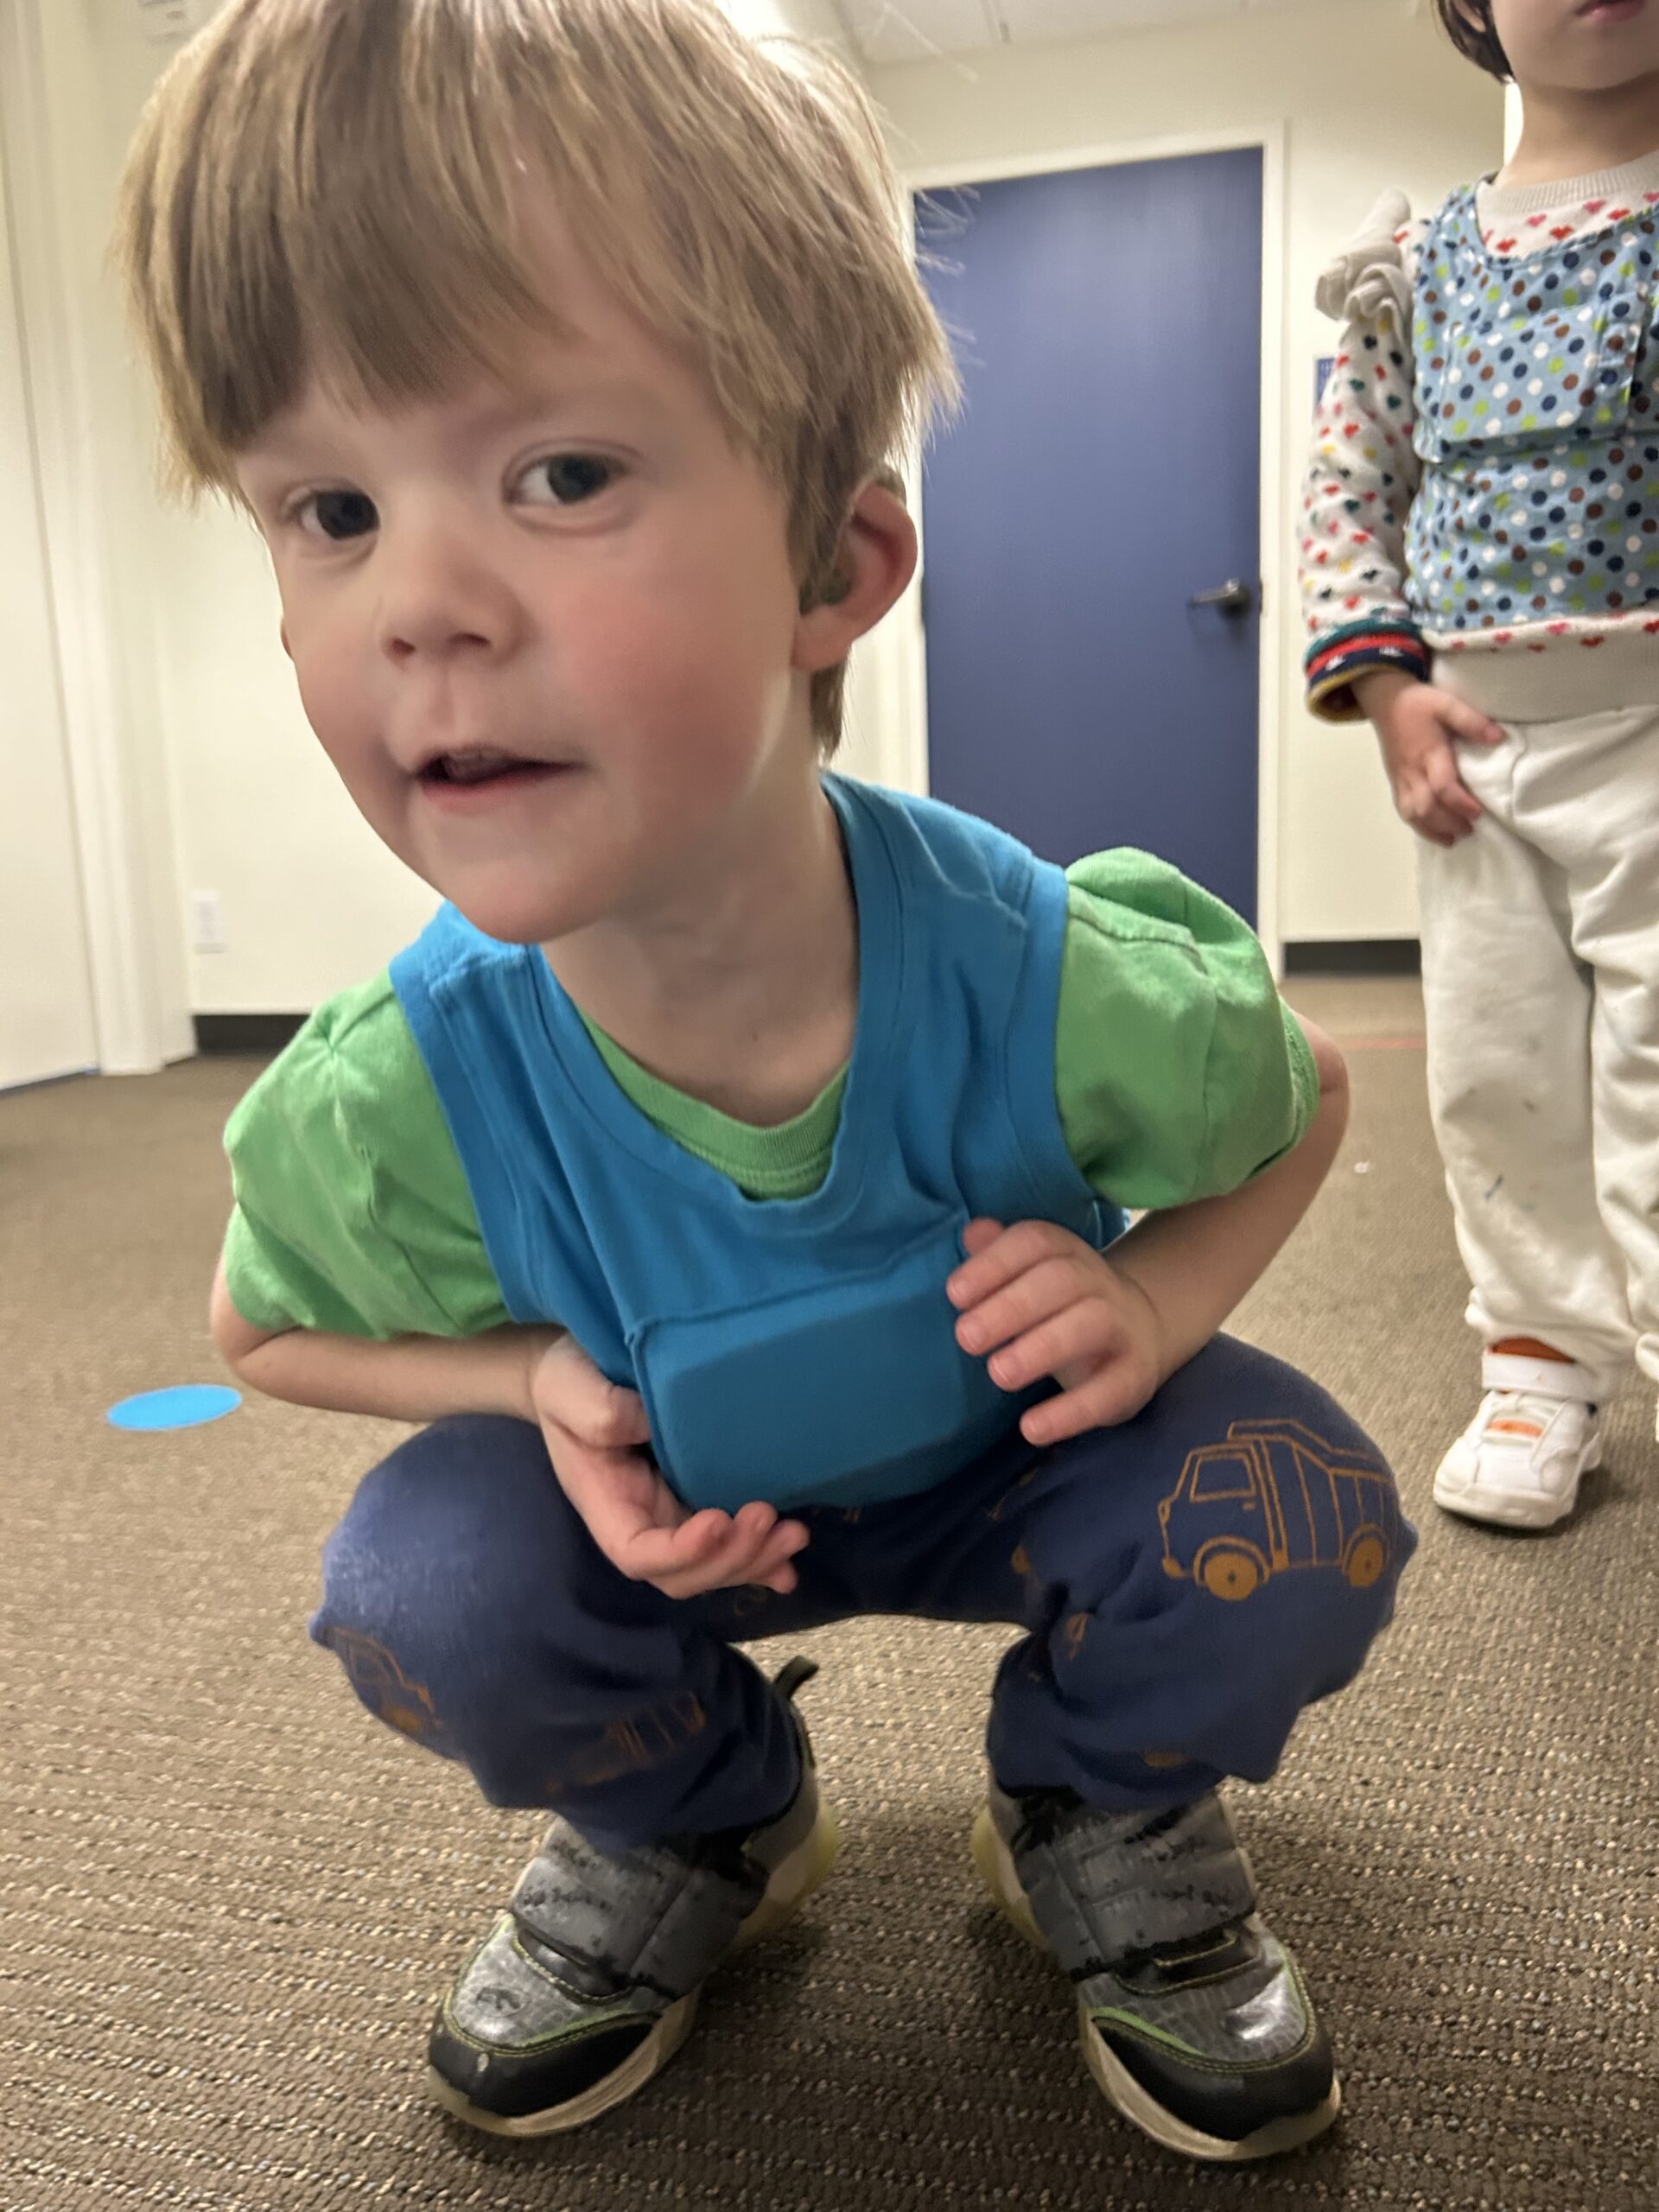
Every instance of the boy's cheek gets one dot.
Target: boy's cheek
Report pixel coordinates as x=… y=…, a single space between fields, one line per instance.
x=677 y=675
x=343 y=722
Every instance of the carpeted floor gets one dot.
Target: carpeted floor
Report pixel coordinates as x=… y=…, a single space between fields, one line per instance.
x=227 y=1898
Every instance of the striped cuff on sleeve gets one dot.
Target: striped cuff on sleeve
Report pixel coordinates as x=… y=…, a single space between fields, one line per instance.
x=1337 y=657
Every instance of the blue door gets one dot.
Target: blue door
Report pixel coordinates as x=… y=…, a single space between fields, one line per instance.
x=1104 y=474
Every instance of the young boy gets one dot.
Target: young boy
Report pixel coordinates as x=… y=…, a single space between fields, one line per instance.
x=560 y=349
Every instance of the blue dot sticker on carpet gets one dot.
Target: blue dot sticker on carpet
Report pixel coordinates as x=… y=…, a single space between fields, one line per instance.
x=187 y=1406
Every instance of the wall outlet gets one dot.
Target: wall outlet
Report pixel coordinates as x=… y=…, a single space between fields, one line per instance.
x=169 y=22
x=166 y=22
x=206 y=921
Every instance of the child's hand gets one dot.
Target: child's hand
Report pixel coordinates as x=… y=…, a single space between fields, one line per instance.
x=1420 y=729
x=1043 y=1302
x=593 y=1431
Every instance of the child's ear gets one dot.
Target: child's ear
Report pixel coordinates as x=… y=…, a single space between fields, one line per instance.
x=282 y=632
x=875 y=562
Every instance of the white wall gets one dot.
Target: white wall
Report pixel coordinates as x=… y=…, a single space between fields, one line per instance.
x=785 y=19
x=1368 y=101
x=62 y=156
x=311 y=900
x=46 y=1024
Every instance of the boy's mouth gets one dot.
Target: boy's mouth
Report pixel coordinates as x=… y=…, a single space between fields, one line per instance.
x=479 y=771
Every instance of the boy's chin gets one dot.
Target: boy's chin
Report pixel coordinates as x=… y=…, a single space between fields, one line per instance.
x=514 y=911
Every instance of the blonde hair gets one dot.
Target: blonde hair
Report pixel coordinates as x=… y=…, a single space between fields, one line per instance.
x=331 y=184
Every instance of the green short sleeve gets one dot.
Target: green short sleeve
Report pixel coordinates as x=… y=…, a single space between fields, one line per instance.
x=1180 y=1072
x=352 y=1213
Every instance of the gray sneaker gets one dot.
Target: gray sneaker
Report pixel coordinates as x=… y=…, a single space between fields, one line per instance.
x=1194 y=2016
x=588 y=1982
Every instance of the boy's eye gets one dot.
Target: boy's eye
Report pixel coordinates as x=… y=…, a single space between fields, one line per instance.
x=566 y=480
x=338 y=515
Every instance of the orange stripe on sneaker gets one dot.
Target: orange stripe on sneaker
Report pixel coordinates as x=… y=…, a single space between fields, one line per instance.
x=1513 y=1429
x=1529 y=1348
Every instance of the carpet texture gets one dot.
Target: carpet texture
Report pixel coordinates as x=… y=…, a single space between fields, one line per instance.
x=228 y=1899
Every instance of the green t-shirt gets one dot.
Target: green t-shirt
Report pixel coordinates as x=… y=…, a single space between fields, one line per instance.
x=1178 y=1072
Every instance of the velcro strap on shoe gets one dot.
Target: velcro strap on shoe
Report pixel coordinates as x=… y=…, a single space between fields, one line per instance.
x=648 y=1916
x=1102 y=1890
x=1543 y=1378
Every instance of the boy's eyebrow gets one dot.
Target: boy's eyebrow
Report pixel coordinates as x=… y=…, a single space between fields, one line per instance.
x=561 y=395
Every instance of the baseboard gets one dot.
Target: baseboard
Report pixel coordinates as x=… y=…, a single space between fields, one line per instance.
x=245 y=1033
x=1359 y=955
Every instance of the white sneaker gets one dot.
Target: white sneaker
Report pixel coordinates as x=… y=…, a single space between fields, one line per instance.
x=1519 y=1461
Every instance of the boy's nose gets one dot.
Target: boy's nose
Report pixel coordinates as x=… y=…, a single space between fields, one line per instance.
x=440 y=601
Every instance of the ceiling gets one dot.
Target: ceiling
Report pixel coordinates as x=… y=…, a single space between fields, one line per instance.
x=887 y=31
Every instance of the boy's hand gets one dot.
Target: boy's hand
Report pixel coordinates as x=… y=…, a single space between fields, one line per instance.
x=1042 y=1302
x=1420 y=729
x=593 y=1431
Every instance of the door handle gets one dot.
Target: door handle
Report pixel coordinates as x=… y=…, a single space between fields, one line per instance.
x=1234 y=597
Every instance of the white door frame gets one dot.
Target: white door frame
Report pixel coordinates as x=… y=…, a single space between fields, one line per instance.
x=909 y=642
x=141 y=1017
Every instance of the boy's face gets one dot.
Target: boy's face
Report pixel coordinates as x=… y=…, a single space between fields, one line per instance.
x=1579 y=46
x=549 y=634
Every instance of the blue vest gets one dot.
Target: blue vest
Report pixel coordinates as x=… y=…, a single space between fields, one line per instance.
x=1535 y=389
x=797 y=1350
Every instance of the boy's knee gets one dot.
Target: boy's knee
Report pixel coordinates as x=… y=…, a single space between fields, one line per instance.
x=1263 y=1532
x=461 y=1496
x=1280 y=1512
x=435 y=1558
x=1230 y=1382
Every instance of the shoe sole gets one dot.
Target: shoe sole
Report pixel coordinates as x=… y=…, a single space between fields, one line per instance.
x=793 y=1881
x=1116 y=2083
x=1503 y=1509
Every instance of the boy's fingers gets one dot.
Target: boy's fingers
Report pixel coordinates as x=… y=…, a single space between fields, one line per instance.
x=1115 y=1394
x=980 y=1236
x=1084 y=1331
x=620 y=1421
x=644 y=1531
x=986 y=1264
x=672 y=1558
x=703 y=1534
x=749 y=1558
x=773 y=1566
x=1035 y=1295
x=604 y=1493
x=716 y=1549
x=766 y=1546
x=596 y=1411
x=731 y=1569
x=1056 y=1420
x=1012 y=1253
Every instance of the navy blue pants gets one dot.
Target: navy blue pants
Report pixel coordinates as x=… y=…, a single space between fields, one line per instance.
x=1187 y=1583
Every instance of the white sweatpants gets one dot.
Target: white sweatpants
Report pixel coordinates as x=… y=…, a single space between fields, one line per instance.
x=1540 y=975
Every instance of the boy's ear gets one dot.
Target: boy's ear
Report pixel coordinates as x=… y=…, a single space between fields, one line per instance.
x=875 y=563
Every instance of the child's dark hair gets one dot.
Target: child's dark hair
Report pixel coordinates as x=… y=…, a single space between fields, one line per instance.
x=1468 y=25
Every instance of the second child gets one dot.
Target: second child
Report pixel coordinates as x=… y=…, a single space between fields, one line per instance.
x=1480 y=564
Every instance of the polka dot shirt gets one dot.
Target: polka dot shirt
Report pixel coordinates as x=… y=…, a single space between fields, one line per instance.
x=1485 y=481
